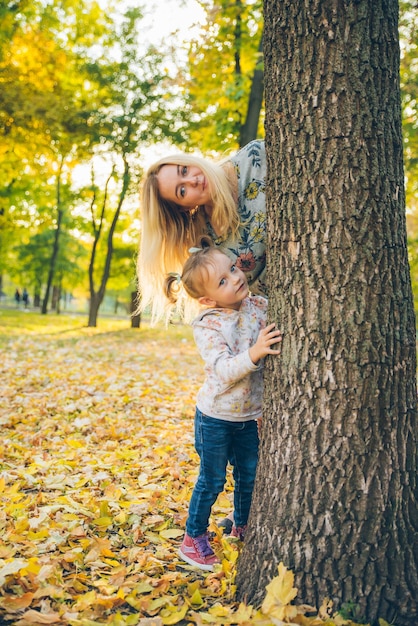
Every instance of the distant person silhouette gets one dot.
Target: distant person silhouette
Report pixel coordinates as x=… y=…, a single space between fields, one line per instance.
x=25 y=298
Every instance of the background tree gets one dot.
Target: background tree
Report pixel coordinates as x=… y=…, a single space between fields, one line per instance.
x=140 y=104
x=250 y=129
x=97 y=294
x=55 y=249
x=33 y=258
x=336 y=491
x=45 y=103
x=224 y=112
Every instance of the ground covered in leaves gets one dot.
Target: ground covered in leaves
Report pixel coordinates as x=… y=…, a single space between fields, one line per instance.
x=97 y=468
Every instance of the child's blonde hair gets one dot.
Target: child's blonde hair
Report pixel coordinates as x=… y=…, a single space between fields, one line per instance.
x=194 y=276
x=167 y=233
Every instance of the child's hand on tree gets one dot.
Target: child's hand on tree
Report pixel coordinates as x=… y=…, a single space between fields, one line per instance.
x=267 y=338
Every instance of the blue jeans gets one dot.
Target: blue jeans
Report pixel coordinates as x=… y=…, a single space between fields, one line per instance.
x=217 y=442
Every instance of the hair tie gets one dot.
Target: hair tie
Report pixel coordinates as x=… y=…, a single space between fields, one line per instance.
x=194 y=250
x=176 y=276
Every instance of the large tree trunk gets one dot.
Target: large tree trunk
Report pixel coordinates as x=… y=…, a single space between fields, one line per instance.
x=336 y=490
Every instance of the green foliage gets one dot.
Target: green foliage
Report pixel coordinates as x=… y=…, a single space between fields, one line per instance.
x=352 y=611
x=408 y=27
x=221 y=64
x=76 y=90
x=33 y=259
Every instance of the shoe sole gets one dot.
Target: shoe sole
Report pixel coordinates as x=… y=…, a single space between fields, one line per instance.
x=203 y=566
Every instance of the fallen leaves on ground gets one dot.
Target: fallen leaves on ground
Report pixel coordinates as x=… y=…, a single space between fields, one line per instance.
x=98 y=465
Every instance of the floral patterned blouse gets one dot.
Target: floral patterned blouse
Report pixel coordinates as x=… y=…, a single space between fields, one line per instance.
x=248 y=247
x=233 y=385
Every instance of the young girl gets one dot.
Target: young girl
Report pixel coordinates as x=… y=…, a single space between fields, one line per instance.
x=185 y=197
x=232 y=337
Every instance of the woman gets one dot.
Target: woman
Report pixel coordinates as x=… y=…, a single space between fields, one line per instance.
x=185 y=197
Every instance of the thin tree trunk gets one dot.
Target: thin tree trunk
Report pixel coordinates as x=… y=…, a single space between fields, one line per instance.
x=96 y=297
x=135 y=315
x=249 y=130
x=55 y=248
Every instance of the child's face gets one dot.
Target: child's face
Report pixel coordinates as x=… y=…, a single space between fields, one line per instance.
x=226 y=285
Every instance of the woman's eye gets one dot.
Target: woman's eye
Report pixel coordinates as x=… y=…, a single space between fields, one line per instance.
x=232 y=268
x=184 y=170
x=182 y=191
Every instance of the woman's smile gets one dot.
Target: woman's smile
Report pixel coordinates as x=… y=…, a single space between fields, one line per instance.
x=184 y=185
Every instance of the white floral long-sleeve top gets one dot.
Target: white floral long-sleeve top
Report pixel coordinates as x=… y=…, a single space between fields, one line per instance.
x=233 y=386
x=247 y=248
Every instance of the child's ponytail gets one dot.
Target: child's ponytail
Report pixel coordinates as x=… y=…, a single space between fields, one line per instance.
x=172 y=287
x=194 y=276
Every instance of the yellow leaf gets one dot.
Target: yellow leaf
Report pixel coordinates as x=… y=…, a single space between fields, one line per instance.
x=218 y=610
x=104 y=509
x=69 y=517
x=33 y=567
x=171 y=533
x=111 y=562
x=243 y=613
x=120 y=518
x=175 y=617
x=42 y=534
x=196 y=598
x=155 y=605
x=83 y=481
x=280 y=592
x=102 y=521
x=86 y=601
x=143 y=587
x=74 y=443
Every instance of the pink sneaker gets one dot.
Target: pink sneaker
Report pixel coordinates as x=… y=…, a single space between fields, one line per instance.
x=238 y=532
x=197 y=551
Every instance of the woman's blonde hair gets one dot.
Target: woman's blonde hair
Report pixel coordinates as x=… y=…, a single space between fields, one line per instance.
x=167 y=232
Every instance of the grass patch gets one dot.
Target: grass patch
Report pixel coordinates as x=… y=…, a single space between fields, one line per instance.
x=21 y=322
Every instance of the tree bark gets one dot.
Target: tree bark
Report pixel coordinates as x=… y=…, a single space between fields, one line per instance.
x=135 y=316
x=336 y=490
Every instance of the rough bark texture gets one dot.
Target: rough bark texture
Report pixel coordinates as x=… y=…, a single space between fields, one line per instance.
x=336 y=490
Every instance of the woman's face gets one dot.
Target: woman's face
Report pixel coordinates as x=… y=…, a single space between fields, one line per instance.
x=185 y=185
